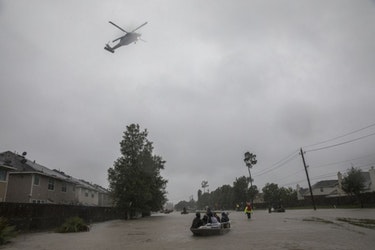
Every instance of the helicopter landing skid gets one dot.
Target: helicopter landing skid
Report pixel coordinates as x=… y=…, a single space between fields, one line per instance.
x=109 y=49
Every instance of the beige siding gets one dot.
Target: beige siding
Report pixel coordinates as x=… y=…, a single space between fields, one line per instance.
x=41 y=193
x=105 y=200
x=3 y=182
x=87 y=196
x=3 y=188
x=22 y=188
x=19 y=188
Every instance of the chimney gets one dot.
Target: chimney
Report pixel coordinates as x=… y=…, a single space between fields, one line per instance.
x=372 y=178
x=339 y=178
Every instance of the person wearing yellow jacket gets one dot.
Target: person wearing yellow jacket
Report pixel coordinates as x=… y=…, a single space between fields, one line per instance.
x=248 y=210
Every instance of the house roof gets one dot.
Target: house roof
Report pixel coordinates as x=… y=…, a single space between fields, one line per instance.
x=3 y=165
x=41 y=169
x=303 y=191
x=79 y=182
x=326 y=183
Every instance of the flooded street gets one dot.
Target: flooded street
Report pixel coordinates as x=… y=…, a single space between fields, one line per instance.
x=294 y=229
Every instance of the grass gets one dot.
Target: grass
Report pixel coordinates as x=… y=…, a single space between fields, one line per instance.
x=73 y=224
x=367 y=223
x=317 y=219
x=6 y=231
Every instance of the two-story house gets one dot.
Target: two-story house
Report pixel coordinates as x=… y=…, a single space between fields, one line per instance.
x=29 y=181
x=333 y=188
x=89 y=194
x=105 y=199
x=22 y=180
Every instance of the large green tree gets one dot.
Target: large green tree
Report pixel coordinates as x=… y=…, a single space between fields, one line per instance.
x=275 y=196
x=353 y=183
x=271 y=194
x=241 y=189
x=134 y=180
x=288 y=195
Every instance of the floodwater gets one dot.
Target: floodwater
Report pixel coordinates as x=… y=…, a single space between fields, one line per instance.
x=294 y=230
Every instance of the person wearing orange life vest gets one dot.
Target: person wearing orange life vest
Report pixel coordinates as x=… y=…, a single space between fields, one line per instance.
x=248 y=210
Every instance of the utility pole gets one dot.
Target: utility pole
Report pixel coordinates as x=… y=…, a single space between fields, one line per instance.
x=308 y=179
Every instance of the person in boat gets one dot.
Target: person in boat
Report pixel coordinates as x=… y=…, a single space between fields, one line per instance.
x=248 y=210
x=197 y=222
x=225 y=220
x=209 y=215
x=205 y=219
x=212 y=220
x=224 y=217
x=217 y=217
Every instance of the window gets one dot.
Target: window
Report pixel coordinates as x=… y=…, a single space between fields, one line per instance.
x=63 y=187
x=51 y=184
x=36 y=180
x=86 y=194
x=3 y=175
x=92 y=195
x=321 y=189
x=37 y=201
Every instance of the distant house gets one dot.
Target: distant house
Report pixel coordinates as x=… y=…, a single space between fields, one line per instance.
x=301 y=192
x=89 y=194
x=105 y=199
x=326 y=188
x=333 y=188
x=259 y=198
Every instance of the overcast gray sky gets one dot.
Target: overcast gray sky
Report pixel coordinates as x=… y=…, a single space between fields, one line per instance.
x=213 y=80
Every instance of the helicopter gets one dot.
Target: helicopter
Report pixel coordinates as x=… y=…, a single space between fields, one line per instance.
x=126 y=39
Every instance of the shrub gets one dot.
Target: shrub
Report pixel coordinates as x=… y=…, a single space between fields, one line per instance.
x=73 y=224
x=6 y=232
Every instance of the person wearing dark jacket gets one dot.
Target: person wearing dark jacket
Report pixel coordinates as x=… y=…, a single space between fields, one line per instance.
x=197 y=222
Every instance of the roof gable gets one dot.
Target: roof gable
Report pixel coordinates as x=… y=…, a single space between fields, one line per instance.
x=326 y=183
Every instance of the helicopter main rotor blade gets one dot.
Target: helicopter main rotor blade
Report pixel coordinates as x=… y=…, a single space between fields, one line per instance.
x=140 y=27
x=117 y=26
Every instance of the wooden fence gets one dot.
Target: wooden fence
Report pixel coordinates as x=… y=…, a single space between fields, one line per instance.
x=37 y=217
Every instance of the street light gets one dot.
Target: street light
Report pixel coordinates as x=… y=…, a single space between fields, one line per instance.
x=250 y=160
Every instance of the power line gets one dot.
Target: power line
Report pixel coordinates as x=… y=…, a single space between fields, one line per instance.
x=294 y=173
x=339 y=162
x=278 y=164
x=338 y=137
x=342 y=143
x=330 y=174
